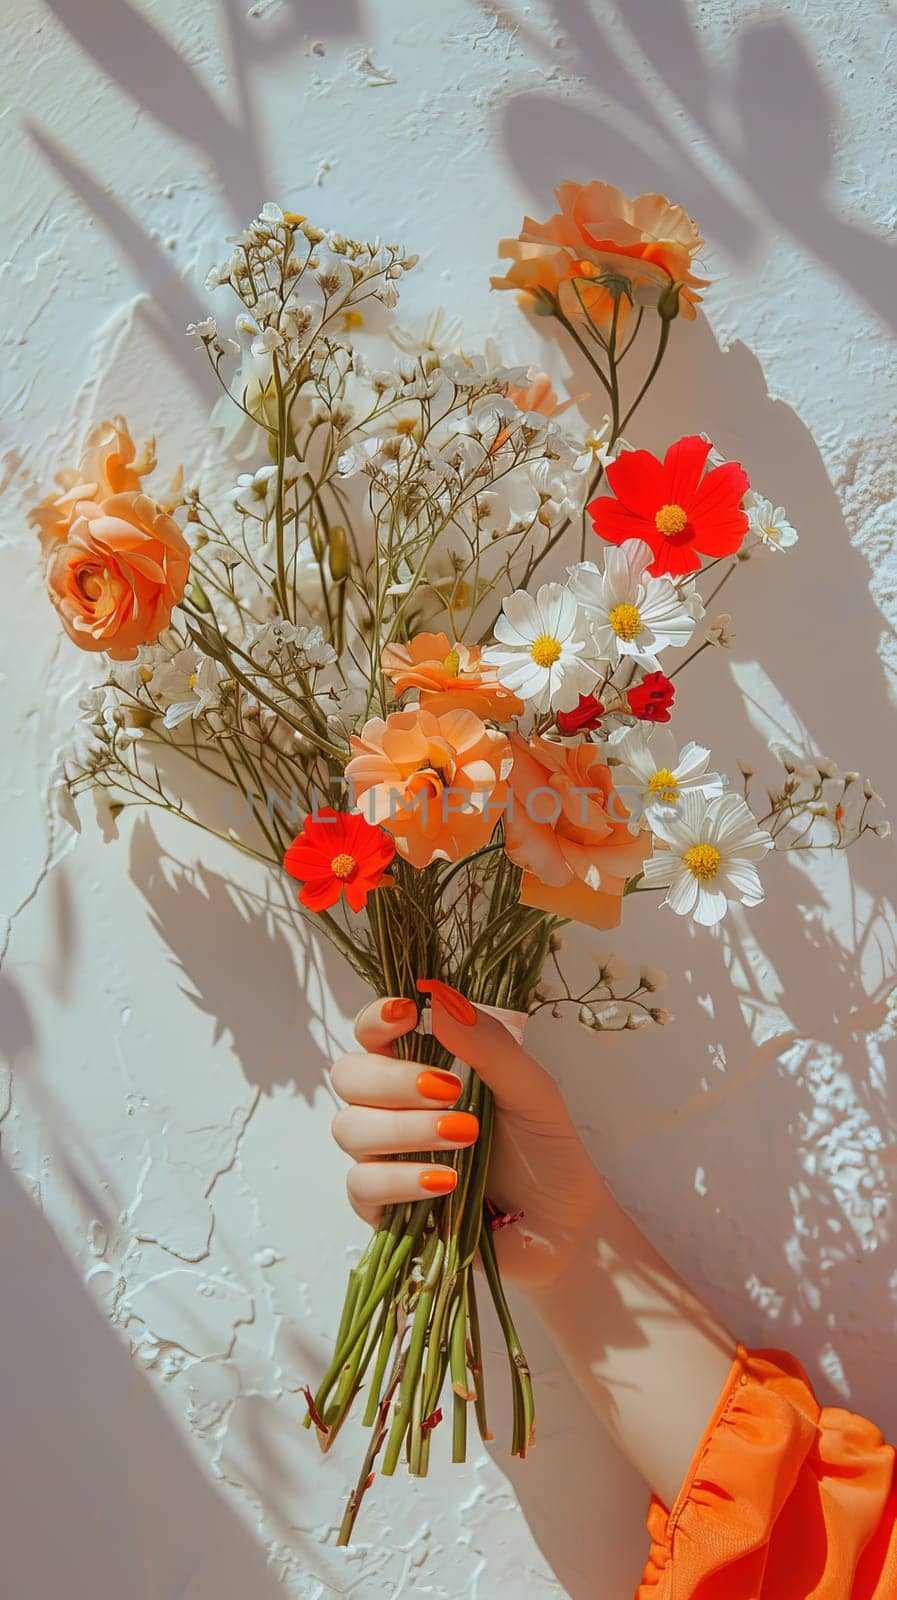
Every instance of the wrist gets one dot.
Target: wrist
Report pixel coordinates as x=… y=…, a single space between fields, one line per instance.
x=576 y=1256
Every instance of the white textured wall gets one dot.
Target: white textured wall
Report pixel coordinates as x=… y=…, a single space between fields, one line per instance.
x=173 y=1232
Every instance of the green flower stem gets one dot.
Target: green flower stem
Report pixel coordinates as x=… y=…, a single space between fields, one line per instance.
x=437 y=1341
x=476 y=1195
x=403 y=1407
x=458 y=1369
x=351 y=1301
x=475 y=1358
x=382 y=1284
x=387 y=1341
x=524 y=1407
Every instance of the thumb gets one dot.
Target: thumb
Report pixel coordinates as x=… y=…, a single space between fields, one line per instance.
x=474 y=1035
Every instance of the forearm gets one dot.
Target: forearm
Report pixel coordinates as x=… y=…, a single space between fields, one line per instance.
x=648 y=1355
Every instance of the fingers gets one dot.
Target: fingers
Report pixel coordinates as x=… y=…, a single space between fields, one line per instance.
x=372 y=1185
x=378 y=1024
x=375 y=1080
x=518 y=1082
x=364 y=1131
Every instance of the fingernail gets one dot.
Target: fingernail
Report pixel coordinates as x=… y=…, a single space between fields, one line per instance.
x=458 y=1127
x=436 y=1085
x=398 y=1010
x=438 y=1180
x=457 y=1005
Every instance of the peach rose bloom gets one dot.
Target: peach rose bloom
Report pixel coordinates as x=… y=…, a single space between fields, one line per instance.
x=110 y=466
x=115 y=579
x=598 y=229
x=448 y=676
x=438 y=783
x=575 y=852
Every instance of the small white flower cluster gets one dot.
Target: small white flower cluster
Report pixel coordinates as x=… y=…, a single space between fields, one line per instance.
x=819 y=804
x=303 y=649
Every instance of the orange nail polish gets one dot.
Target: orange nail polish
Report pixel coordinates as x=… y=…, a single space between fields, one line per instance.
x=398 y=1010
x=439 y=1180
x=457 y=1005
x=458 y=1127
x=436 y=1085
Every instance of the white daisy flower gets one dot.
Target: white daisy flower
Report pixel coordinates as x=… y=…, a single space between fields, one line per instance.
x=771 y=523
x=545 y=653
x=631 y=613
x=188 y=683
x=652 y=776
x=711 y=848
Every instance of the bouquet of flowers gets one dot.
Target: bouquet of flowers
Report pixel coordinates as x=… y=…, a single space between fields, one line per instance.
x=451 y=751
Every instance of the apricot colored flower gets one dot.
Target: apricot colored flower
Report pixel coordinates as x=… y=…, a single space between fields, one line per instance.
x=119 y=573
x=448 y=676
x=681 y=511
x=539 y=395
x=599 y=231
x=110 y=466
x=437 y=782
x=568 y=830
x=338 y=853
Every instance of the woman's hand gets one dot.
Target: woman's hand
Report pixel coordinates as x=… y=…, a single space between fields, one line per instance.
x=650 y=1358
x=538 y=1163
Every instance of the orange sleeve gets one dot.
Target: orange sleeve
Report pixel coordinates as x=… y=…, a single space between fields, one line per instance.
x=784 y=1500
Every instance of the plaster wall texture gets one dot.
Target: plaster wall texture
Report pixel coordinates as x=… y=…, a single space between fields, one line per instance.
x=174 y=1230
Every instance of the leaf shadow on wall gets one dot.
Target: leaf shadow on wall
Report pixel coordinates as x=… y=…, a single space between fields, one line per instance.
x=245 y=962
x=163 y=85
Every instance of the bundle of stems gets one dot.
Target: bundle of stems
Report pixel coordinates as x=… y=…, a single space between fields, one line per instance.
x=410 y=1317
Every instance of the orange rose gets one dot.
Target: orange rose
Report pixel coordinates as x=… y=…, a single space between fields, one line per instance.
x=448 y=676
x=599 y=230
x=576 y=852
x=118 y=574
x=437 y=783
x=110 y=466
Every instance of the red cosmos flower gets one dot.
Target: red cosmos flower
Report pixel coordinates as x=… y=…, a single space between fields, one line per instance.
x=338 y=852
x=651 y=699
x=583 y=719
x=678 y=509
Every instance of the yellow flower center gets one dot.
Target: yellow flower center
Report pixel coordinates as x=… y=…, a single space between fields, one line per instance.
x=146 y=674
x=665 y=785
x=452 y=663
x=192 y=680
x=406 y=425
x=703 y=860
x=670 y=519
x=585 y=269
x=626 y=621
x=546 y=651
x=343 y=866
